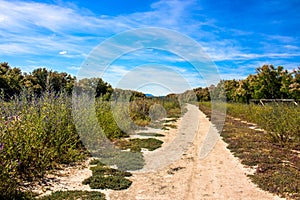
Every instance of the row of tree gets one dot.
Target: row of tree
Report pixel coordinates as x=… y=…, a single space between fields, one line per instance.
x=269 y=82
x=13 y=81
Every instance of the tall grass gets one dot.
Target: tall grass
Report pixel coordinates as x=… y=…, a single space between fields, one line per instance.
x=36 y=134
x=106 y=118
x=281 y=121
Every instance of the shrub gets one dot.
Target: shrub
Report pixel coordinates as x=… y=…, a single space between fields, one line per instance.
x=109 y=182
x=36 y=134
x=106 y=120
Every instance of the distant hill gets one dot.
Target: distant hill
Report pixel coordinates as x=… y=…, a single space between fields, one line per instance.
x=149 y=95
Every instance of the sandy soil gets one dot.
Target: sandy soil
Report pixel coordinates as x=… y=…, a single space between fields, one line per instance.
x=69 y=178
x=176 y=171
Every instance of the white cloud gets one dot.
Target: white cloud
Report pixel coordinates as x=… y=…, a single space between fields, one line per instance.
x=280 y=38
x=293 y=47
x=118 y=70
x=63 y=52
x=54 y=18
x=74 y=68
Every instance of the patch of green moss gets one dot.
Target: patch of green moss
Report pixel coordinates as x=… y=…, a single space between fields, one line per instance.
x=135 y=145
x=104 y=177
x=108 y=182
x=75 y=195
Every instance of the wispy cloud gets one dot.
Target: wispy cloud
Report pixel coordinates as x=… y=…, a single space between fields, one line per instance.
x=33 y=28
x=54 y=26
x=73 y=68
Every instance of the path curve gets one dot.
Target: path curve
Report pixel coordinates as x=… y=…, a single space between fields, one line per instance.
x=219 y=175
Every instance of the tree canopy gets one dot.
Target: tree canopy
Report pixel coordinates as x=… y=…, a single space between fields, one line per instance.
x=13 y=82
x=269 y=82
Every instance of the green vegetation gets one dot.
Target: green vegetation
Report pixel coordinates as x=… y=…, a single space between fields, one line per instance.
x=148 y=110
x=124 y=160
x=108 y=178
x=172 y=106
x=13 y=82
x=96 y=162
x=276 y=160
x=170 y=120
x=279 y=120
x=107 y=121
x=75 y=195
x=269 y=82
x=36 y=134
x=151 y=134
x=135 y=145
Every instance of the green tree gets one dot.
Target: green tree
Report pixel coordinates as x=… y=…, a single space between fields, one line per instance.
x=268 y=82
x=60 y=82
x=245 y=90
x=230 y=87
x=41 y=76
x=94 y=86
x=10 y=80
x=202 y=94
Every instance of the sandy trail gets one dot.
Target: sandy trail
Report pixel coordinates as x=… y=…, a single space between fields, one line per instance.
x=217 y=176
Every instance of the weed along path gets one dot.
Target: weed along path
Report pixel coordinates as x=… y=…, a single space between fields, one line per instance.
x=175 y=171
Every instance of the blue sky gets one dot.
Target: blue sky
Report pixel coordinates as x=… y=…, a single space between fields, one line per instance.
x=238 y=36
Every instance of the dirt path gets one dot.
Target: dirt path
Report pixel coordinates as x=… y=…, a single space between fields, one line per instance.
x=176 y=170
